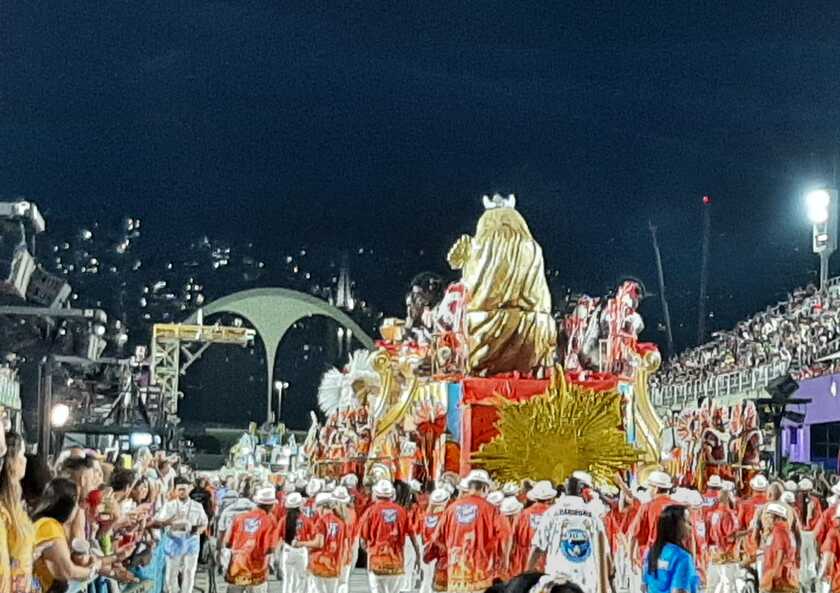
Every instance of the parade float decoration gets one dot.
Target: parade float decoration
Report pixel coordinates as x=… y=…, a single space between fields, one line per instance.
x=456 y=381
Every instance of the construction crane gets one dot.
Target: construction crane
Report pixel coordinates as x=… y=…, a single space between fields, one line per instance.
x=173 y=353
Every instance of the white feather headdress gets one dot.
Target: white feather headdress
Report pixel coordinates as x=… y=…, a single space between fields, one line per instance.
x=498 y=201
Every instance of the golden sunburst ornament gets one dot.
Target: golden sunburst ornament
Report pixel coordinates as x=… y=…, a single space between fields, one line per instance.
x=548 y=437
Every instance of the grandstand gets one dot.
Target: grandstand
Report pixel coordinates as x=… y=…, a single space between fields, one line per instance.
x=800 y=336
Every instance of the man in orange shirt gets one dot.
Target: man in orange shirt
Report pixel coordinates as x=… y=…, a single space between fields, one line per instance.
x=723 y=526
x=746 y=514
x=466 y=538
x=779 y=573
x=428 y=520
x=383 y=529
x=252 y=539
x=327 y=546
x=830 y=568
x=643 y=529
x=542 y=496
x=828 y=517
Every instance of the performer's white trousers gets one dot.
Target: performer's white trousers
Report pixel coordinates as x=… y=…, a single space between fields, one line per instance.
x=185 y=565
x=409 y=564
x=323 y=585
x=385 y=584
x=721 y=578
x=808 y=558
x=294 y=569
x=427 y=574
x=344 y=585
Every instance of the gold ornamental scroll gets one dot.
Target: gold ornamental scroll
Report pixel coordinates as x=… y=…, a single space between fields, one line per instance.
x=648 y=424
x=509 y=325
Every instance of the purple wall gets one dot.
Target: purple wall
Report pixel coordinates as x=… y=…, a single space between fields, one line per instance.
x=824 y=407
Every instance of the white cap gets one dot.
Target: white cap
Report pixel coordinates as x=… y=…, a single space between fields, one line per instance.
x=777 y=509
x=715 y=482
x=448 y=487
x=314 y=486
x=806 y=485
x=659 y=479
x=728 y=486
x=791 y=486
x=510 y=506
x=350 y=480
x=542 y=490
x=759 y=483
x=384 y=489
x=788 y=497
x=265 y=496
x=294 y=500
x=340 y=495
x=415 y=485
x=463 y=485
x=479 y=475
x=440 y=496
x=495 y=498
x=583 y=477
x=510 y=489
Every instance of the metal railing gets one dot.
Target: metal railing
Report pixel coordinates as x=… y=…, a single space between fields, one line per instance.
x=726 y=384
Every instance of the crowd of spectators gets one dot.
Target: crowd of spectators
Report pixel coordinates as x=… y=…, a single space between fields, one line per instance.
x=794 y=333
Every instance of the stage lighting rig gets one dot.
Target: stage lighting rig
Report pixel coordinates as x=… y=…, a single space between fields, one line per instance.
x=19 y=222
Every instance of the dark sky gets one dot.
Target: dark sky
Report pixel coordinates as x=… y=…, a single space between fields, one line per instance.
x=349 y=124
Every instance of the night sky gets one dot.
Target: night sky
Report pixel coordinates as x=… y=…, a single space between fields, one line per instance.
x=355 y=125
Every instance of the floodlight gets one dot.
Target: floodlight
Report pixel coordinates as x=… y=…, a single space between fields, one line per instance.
x=817 y=203
x=141 y=439
x=60 y=415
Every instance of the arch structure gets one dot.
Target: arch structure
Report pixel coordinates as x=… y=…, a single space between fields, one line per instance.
x=272 y=311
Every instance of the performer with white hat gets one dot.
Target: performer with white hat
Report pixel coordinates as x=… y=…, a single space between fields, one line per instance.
x=829 y=574
x=427 y=522
x=294 y=559
x=747 y=508
x=723 y=550
x=811 y=509
x=643 y=529
x=252 y=539
x=542 y=496
x=779 y=571
x=466 y=538
x=327 y=546
x=383 y=531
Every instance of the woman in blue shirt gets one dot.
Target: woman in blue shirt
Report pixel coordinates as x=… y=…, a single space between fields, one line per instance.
x=670 y=567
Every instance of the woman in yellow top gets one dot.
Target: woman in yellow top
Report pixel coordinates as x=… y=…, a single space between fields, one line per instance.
x=20 y=535
x=56 y=509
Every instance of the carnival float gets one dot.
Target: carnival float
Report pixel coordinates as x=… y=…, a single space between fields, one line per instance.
x=480 y=373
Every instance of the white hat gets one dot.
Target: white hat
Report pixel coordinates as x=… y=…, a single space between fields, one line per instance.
x=350 y=480
x=265 y=496
x=448 y=487
x=294 y=500
x=314 y=486
x=340 y=495
x=301 y=484
x=715 y=482
x=510 y=489
x=288 y=486
x=440 y=496
x=542 y=491
x=728 y=486
x=415 y=485
x=659 y=479
x=774 y=508
x=323 y=498
x=788 y=497
x=759 y=483
x=806 y=485
x=495 y=498
x=463 y=485
x=384 y=489
x=583 y=477
x=510 y=506
x=479 y=475
x=688 y=497
x=791 y=486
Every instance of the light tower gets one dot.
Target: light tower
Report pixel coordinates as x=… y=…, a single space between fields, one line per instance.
x=821 y=206
x=345 y=301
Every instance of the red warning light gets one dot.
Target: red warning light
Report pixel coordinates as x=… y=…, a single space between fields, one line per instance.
x=707 y=200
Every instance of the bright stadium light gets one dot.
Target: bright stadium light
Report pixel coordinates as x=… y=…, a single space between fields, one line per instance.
x=817 y=204
x=140 y=439
x=60 y=415
x=821 y=207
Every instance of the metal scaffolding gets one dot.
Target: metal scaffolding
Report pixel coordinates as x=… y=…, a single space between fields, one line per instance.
x=172 y=356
